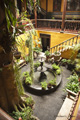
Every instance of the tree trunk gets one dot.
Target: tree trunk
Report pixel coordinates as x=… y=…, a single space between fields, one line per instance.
x=8 y=89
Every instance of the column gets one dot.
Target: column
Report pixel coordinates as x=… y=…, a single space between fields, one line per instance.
x=63 y=15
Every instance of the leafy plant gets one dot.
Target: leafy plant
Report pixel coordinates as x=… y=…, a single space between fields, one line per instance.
x=29 y=101
x=73 y=83
x=47 y=53
x=56 y=53
x=55 y=67
x=28 y=81
x=53 y=82
x=26 y=74
x=78 y=55
x=77 y=68
x=27 y=59
x=37 y=64
x=58 y=71
x=44 y=85
x=64 y=60
x=25 y=114
x=37 y=49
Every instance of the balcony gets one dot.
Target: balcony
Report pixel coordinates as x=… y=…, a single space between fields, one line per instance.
x=72 y=26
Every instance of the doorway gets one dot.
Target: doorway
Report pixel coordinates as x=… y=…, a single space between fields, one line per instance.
x=45 y=39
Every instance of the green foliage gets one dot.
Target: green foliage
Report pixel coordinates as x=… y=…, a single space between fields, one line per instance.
x=28 y=80
x=27 y=42
x=26 y=74
x=53 y=82
x=77 y=68
x=25 y=114
x=64 y=60
x=47 y=53
x=78 y=55
x=44 y=85
x=55 y=67
x=29 y=101
x=37 y=64
x=53 y=18
x=73 y=83
x=58 y=71
x=17 y=75
x=37 y=49
x=27 y=59
x=57 y=53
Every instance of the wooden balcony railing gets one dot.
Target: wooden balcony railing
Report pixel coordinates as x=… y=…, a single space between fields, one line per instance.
x=70 y=25
x=70 y=42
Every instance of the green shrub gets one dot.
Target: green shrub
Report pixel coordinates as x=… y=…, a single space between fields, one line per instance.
x=55 y=67
x=25 y=114
x=26 y=74
x=29 y=101
x=53 y=82
x=28 y=81
x=37 y=49
x=47 y=53
x=63 y=60
x=37 y=64
x=73 y=83
x=44 y=85
x=58 y=71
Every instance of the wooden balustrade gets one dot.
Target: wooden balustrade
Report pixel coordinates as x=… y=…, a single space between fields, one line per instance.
x=70 y=25
x=70 y=42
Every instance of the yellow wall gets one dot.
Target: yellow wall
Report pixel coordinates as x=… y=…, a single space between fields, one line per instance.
x=43 y=4
x=50 y=6
x=56 y=37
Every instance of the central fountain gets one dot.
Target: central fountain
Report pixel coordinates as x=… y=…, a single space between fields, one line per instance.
x=42 y=69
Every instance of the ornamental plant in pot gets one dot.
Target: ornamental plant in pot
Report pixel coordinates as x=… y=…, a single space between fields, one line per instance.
x=47 y=53
x=56 y=55
x=44 y=85
x=17 y=55
x=63 y=62
x=53 y=82
x=29 y=101
x=36 y=65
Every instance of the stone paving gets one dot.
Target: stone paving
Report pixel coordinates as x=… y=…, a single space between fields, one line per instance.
x=48 y=106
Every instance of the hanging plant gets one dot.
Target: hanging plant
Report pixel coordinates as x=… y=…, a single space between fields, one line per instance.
x=27 y=43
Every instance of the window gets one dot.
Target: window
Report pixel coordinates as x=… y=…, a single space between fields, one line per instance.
x=73 y=5
x=57 y=5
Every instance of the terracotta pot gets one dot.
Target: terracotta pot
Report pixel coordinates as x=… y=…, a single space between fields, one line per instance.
x=17 y=55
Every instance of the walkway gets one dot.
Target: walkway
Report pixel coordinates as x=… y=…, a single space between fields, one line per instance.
x=48 y=106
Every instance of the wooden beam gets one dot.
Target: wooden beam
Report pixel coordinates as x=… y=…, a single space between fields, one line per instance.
x=63 y=15
x=35 y=13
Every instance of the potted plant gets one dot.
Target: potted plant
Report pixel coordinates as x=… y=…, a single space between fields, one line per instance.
x=47 y=53
x=28 y=80
x=73 y=83
x=44 y=85
x=17 y=54
x=36 y=51
x=7 y=64
x=29 y=101
x=55 y=67
x=56 y=55
x=53 y=82
x=58 y=71
x=36 y=65
x=27 y=59
x=70 y=64
x=63 y=62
